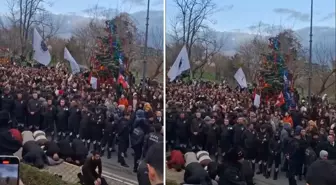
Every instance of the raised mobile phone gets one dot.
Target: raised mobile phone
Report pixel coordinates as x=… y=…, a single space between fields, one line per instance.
x=9 y=170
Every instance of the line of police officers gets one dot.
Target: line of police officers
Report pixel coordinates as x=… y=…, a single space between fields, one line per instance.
x=89 y=122
x=262 y=145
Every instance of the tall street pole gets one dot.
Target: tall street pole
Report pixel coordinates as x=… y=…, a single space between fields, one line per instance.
x=310 y=52
x=145 y=51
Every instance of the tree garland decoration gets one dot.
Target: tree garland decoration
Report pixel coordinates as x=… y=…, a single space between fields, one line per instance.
x=274 y=76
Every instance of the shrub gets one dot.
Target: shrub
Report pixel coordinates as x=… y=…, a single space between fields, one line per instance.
x=33 y=176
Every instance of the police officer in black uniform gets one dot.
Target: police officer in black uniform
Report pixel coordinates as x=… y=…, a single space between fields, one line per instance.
x=109 y=134
x=7 y=101
x=74 y=120
x=123 y=138
x=226 y=137
x=137 y=141
x=250 y=144
x=182 y=131
x=293 y=156
x=34 y=110
x=262 y=156
x=62 y=115
x=170 y=125
x=196 y=128
x=20 y=112
x=98 y=123
x=49 y=117
x=85 y=125
x=238 y=131
x=275 y=147
x=152 y=138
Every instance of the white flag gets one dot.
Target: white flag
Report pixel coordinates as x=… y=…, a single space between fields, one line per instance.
x=240 y=77
x=73 y=64
x=41 y=53
x=256 y=101
x=94 y=82
x=181 y=64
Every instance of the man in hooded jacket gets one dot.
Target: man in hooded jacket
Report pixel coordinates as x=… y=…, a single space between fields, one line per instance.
x=9 y=142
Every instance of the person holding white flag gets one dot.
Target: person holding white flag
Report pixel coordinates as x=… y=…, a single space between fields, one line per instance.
x=240 y=77
x=41 y=52
x=181 y=64
x=73 y=64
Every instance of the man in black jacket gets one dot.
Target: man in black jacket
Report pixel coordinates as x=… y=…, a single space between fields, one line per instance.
x=80 y=151
x=89 y=175
x=109 y=134
x=231 y=171
x=19 y=112
x=154 y=159
x=152 y=138
x=137 y=141
x=123 y=138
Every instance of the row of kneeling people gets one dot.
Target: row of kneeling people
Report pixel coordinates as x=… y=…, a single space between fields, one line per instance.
x=38 y=151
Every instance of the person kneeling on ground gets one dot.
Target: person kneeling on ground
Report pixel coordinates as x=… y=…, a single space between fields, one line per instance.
x=52 y=151
x=80 y=152
x=66 y=152
x=33 y=154
x=231 y=170
x=194 y=171
x=176 y=160
x=89 y=176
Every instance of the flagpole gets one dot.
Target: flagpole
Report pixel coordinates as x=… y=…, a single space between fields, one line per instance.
x=145 y=50
x=310 y=52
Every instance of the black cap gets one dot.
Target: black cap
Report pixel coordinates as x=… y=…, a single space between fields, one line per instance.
x=154 y=157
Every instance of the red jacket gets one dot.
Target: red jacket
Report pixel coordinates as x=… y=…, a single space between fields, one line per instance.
x=176 y=158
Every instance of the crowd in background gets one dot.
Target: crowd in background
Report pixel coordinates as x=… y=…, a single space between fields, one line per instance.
x=67 y=109
x=218 y=136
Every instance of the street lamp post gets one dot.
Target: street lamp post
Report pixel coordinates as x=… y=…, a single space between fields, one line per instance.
x=310 y=52
x=145 y=50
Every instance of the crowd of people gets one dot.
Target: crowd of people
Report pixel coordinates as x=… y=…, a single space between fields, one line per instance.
x=218 y=136
x=75 y=118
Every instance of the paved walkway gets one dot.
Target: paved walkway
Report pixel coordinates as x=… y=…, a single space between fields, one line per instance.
x=258 y=179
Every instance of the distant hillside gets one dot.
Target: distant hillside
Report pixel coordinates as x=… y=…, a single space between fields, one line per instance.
x=72 y=22
x=233 y=40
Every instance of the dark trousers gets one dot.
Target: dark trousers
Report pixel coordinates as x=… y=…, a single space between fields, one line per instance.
x=276 y=159
x=122 y=147
x=33 y=121
x=137 y=155
x=108 y=140
x=292 y=168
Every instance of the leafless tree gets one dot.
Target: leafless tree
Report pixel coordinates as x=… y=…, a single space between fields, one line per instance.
x=192 y=22
x=326 y=60
x=26 y=14
x=156 y=54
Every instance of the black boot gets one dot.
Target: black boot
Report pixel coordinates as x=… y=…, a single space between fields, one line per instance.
x=267 y=173
x=253 y=167
x=88 y=145
x=260 y=169
x=102 y=151
x=275 y=176
x=265 y=170
x=109 y=151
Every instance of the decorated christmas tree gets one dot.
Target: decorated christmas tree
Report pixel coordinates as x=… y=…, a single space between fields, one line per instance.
x=275 y=80
x=108 y=60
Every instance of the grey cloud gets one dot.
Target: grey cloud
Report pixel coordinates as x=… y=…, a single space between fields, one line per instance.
x=293 y=14
x=328 y=16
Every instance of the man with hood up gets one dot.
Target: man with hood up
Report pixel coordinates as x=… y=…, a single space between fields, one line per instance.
x=231 y=172
x=9 y=142
x=137 y=137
